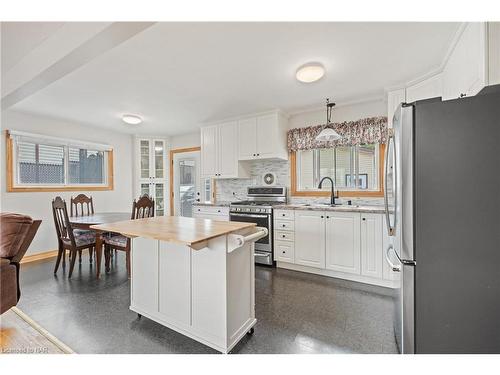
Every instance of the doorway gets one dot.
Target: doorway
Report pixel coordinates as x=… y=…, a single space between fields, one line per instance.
x=185 y=181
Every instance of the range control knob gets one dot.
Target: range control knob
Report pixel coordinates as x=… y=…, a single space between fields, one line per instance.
x=257 y=210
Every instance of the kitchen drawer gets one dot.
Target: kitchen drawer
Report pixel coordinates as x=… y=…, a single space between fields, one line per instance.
x=219 y=217
x=281 y=235
x=284 y=251
x=211 y=210
x=284 y=214
x=283 y=225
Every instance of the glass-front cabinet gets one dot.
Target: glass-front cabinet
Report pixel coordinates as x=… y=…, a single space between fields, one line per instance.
x=152 y=172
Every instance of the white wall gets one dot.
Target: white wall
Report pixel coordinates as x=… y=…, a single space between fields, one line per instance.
x=185 y=140
x=38 y=205
x=341 y=113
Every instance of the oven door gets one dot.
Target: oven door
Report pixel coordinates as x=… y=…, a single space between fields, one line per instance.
x=262 y=220
x=263 y=247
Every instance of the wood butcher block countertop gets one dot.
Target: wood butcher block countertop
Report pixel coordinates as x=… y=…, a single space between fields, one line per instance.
x=178 y=229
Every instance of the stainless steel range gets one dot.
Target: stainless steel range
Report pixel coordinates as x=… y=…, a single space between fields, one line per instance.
x=258 y=208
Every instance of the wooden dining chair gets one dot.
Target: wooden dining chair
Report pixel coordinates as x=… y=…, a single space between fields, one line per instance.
x=82 y=205
x=69 y=239
x=142 y=208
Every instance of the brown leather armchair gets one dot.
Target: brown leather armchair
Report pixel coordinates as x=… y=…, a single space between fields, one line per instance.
x=17 y=232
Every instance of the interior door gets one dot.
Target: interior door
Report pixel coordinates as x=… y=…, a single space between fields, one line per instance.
x=186 y=186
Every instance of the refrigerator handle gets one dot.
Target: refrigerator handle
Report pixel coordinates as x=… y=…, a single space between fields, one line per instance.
x=392 y=265
x=390 y=230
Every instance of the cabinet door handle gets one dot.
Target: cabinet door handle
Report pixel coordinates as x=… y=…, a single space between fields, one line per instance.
x=322 y=216
x=328 y=217
x=364 y=219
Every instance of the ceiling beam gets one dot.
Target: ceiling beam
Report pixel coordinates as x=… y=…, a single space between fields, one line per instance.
x=103 y=41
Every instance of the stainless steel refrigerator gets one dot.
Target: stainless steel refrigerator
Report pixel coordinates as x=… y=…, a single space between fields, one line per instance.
x=442 y=180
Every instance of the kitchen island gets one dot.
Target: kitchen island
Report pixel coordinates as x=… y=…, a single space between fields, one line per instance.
x=195 y=276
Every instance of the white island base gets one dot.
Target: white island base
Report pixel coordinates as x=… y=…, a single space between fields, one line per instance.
x=207 y=294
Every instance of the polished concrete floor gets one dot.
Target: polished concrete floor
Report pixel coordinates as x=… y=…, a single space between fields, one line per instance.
x=296 y=312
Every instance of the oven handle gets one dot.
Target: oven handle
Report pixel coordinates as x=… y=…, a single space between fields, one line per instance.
x=250 y=215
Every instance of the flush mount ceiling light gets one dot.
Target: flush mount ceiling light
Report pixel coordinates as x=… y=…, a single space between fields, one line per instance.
x=132 y=119
x=328 y=133
x=310 y=72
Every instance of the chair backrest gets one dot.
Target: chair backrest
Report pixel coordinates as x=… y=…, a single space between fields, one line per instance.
x=80 y=202
x=142 y=208
x=61 y=220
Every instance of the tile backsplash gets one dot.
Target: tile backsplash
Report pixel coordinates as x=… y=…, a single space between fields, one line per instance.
x=235 y=189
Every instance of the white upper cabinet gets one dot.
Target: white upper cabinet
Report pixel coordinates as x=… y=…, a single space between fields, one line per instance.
x=209 y=154
x=228 y=150
x=310 y=238
x=219 y=151
x=342 y=242
x=465 y=72
x=394 y=98
x=268 y=136
x=426 y=89
x=262 y=137
x=371 y=245
x=247 y=138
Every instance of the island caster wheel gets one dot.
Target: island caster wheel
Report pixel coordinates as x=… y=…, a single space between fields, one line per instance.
x=251 y=331
x=139 y=316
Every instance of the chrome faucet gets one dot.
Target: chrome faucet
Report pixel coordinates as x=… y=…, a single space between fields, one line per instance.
x=332 y=196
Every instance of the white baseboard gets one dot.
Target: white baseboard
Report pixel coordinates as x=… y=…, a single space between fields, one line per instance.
x=338 y=275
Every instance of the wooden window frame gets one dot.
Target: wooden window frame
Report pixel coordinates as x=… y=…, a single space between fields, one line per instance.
x=12 y=188
x=342 y=193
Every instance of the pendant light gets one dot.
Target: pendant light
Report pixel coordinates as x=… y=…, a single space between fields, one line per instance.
x=327 y=134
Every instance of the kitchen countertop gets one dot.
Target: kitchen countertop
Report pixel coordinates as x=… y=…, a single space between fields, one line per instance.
x=177 y=229
x=310 y=207
x=340 y=208
x=217 y=204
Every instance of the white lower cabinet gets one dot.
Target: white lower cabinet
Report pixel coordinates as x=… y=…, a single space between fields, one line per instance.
x=284 y=251
x=371 y=245
x=347 y=245
x=342 y=242
x=310 y=238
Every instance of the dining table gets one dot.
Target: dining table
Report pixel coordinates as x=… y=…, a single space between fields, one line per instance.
x=86 y=221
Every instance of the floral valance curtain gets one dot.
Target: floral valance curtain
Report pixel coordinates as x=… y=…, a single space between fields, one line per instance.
x=363 y=131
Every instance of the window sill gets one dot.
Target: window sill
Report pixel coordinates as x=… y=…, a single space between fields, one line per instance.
x=34 y=189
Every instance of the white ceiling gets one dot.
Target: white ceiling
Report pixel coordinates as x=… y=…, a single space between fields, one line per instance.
x=20 y=38
x=178 y=75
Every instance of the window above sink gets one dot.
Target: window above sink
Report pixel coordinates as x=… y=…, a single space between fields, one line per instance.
x=356 y=170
